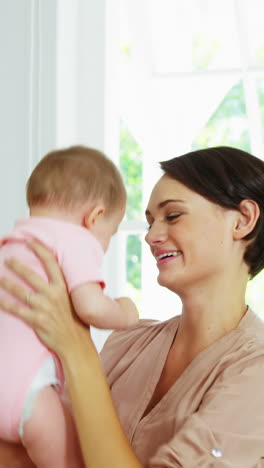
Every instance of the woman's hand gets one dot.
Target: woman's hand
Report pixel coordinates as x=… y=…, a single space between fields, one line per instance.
x=48 y=308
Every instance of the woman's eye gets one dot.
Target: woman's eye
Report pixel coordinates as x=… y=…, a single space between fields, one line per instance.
x=172 y=217
x=148 y=225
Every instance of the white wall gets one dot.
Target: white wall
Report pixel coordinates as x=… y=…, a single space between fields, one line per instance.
x=27 y=85
x=52 y=87
x=81 y=73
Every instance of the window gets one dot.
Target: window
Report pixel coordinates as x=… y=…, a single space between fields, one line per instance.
x=191 y=75
x=151 y=80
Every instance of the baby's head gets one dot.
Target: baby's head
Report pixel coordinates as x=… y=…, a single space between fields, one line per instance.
x=79 y=184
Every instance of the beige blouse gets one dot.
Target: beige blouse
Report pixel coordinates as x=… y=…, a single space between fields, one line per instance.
x=213 y=415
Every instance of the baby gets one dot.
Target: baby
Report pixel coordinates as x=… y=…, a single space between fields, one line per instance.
x=76 y=199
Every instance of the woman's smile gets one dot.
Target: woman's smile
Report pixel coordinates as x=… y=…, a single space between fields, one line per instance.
x=166 y=256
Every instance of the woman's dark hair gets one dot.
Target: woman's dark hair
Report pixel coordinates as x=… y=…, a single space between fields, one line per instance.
x=226 y=176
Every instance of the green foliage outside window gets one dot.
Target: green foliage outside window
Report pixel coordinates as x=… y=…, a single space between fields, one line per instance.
x=134 y=261
x=228 y=124
x=260 y=86
x=255 y=294
x=259 y=57
x=204 y=50
x=131 y=168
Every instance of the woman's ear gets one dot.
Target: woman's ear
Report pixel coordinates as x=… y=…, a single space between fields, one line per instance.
x=92 y=216
x=246 y=219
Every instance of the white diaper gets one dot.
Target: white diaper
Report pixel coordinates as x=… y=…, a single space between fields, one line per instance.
x=45 y=377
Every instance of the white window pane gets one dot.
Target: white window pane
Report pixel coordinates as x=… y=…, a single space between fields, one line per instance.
x=182 y=36
x=253 y=14
x=167 y=115
x=255 y=294
x=260 y=88
x=228 y=124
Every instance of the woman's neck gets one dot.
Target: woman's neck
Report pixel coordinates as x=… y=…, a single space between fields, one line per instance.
x=210 y=313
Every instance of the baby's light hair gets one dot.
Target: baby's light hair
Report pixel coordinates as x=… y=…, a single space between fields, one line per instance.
x=67 y=178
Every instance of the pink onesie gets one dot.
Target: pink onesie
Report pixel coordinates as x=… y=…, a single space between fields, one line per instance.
x=80 y=257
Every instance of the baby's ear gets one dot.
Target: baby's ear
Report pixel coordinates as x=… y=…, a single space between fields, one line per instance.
x=247 y=217
x=94 y=215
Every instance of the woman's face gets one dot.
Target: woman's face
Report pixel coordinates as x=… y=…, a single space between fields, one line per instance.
x=189 y=236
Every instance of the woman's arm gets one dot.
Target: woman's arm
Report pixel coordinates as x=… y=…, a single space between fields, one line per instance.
x=102 y=439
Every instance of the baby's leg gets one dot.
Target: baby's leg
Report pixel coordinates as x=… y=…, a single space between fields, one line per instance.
x=49 y=435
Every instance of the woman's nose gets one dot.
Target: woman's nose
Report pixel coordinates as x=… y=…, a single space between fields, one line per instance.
x=156 y=234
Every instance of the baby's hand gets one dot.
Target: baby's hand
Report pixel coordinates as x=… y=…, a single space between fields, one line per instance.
x=129 y=309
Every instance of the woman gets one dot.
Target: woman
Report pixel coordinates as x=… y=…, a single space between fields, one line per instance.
x=187 y=392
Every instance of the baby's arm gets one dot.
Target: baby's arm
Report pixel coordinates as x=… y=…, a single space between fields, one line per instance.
x=95 y=308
